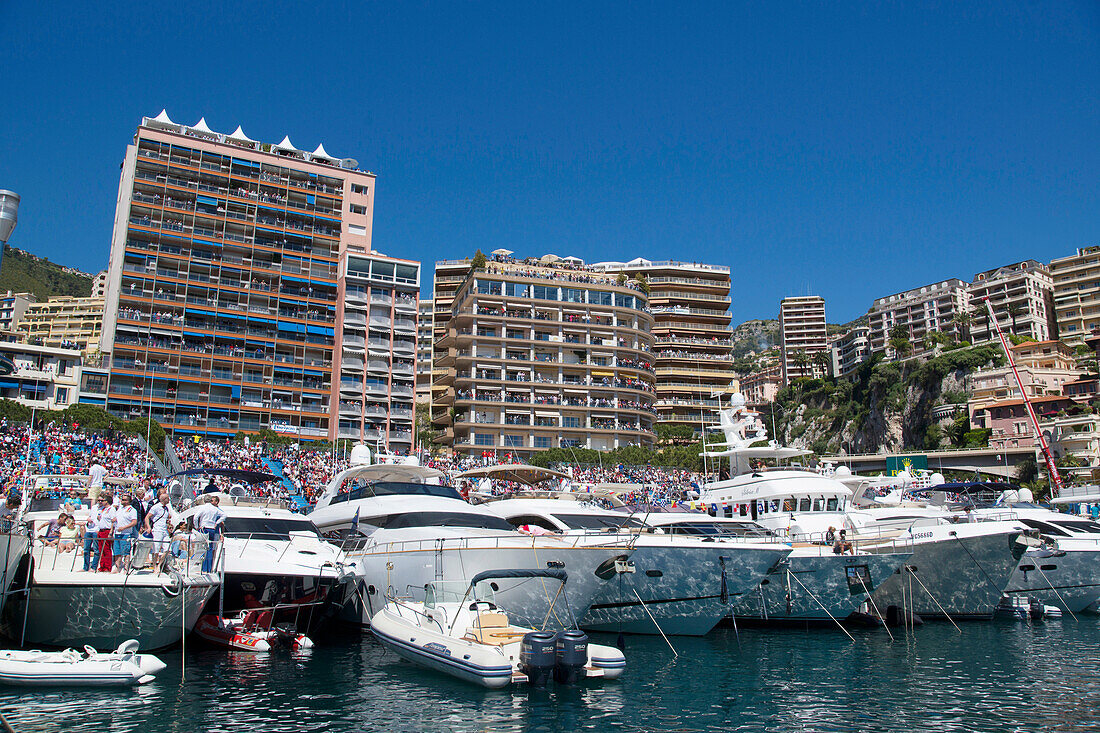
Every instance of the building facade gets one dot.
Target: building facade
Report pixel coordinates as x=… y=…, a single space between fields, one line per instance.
x=45 y=378
x=424 y=351
x=1045 y=368
x=762 y=386
x=1022 y=296
x=540 y=356
x=13 y=306
x=690 y=302
x=376 y=373
x=64 y=323
x=939 y=307
x=224 y=277
x=1077 y=294
x=848 y=351
x=803 y=337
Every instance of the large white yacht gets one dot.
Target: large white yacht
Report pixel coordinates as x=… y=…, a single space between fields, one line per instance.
x=679 y=583
x=813 y=584
x=401 y=529
x=957 y=569
x=62 y=605
x=273 y=557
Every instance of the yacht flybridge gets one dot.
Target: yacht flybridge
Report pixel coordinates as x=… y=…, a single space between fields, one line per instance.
x=957 y=569
x=401 y=529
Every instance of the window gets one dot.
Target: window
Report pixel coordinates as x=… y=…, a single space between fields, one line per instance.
x=571 y=422
x=532 y=520
x=357 y=209
x=624 y=301
x=62 y=395
x=488 y=287
x=803 y=505
x=360 y=189
x=513 y=441
x=483 y=439
x=543 y=292
x=542 y=441
x=572 y=295
x=517 y=290
x=598 y=297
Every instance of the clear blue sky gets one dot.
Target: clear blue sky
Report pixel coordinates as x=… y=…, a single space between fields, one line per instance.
x=847 y=151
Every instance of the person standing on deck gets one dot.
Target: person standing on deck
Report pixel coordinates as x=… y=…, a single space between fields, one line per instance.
x=98 y=473
x=210 y=521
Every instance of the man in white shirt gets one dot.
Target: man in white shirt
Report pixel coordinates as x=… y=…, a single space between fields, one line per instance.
x=91 y=547
x=98 y=473
x=159 y=520
x=126 y=519
x=209 y=520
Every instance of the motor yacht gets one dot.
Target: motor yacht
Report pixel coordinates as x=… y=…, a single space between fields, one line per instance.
x=400 y=529
x=813 y=584
x=274 y=558
x=957 y=569
x=675 y=583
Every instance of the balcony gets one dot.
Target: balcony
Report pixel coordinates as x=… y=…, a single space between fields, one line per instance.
x=351 y=364
x=406 y=325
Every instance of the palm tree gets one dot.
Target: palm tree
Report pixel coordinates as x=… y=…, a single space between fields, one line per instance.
x=961 y=321
x=821 y=359
x=1015 y=310
x=801 y=360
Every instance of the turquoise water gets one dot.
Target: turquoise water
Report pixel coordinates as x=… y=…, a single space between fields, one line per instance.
x=995 y=676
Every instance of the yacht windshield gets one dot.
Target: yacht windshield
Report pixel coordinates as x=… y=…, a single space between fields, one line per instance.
x=395 y=488
x=267 y=527
x=443 y=519
x=713 y=529
x=1092 y=527
x=597 y=521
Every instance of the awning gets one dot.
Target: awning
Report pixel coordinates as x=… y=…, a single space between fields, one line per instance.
x=603 y=374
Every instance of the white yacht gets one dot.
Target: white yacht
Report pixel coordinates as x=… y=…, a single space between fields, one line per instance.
x=273 y=557
x=813 y=584
x=401 y=529
x=956 y=569
x=677 y=583
x=60 y=604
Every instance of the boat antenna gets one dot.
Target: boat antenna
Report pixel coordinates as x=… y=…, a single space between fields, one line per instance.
x=1055 y=478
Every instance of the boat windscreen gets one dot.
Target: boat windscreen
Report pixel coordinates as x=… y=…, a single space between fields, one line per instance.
x=713 y=529
x=598 y=521
x=447 y=519
x=267 y=527
x=395 y=488
x=1091 y=527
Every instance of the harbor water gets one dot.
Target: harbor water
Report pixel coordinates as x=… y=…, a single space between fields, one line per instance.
x=995 y=676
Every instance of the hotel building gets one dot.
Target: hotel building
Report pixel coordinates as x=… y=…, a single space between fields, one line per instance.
x=1077 y=294
x=849 y=350
x=803 y=337
x=919 y=311
x=690 y=302
x=1022 y=296
x=223 y=287
x=542 y=355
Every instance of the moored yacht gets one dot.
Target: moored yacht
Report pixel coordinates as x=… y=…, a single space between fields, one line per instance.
x=676 y=583
x=400 y=529
x=956 y=569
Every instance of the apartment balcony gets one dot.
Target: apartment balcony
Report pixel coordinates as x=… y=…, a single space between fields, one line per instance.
x=351 y=364
x=355 y=320
x=355 y=297
x=378 y=366
x=381 y=298
x=381 y=322
x=402 y=390
x=409 y=348
x=405 y=325
x=378 y=345
x=374 y=389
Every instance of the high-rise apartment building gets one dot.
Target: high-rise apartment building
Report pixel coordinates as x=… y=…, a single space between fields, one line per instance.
x=919 y=312
x=424 y=352
x=803 y=337
x=849 y=350
x=1077 y=294
x=690 y=302
x=224 y=280
x=542 y=354
x=12 y=308
x=377 y=346
x=1022 y=296
x=64 y=323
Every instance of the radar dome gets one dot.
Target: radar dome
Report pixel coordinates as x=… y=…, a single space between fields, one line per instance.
x=1026 y=496
x=936 y=479
x=410 y=461
x=737 y=400
x=843 y=471
x=360 y=455
x=904 y=477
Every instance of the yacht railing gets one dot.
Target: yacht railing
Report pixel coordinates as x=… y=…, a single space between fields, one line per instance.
x=48 y=555
x=493 y=542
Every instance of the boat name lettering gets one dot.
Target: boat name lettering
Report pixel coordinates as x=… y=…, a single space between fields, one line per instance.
x=438 y=648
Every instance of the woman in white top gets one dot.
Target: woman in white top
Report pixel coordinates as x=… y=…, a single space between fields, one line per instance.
x=159 y=521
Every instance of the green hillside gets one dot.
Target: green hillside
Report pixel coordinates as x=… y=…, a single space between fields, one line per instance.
x=23 y=272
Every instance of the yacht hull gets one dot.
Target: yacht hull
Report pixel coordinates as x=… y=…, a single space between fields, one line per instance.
x=961 y=572
x=1070 y=581
x=678 y=590
x=403 y=568
x=816 y=587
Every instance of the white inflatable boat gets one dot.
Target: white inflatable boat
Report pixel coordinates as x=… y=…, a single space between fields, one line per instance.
x=122 y=667
x=465 y=635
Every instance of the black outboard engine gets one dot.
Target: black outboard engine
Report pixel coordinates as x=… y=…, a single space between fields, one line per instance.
x=536 y=657
x=571 y=650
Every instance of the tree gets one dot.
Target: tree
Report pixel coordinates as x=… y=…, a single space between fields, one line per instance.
x=821 y=359
x=899 y=340
x=621 y=279
x=478 y=262
x=802 y=360
x=642 y=283
x=962 y=322
x=1015 y=310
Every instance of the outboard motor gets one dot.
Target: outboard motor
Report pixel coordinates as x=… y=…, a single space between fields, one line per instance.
x=536 y=657
x=571 y=656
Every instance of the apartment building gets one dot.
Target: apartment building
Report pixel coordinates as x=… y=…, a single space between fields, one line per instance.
x=424 y=351
x=760 y=387
x=918 y=312
x=224 y=280
x=849 y=350
x=64 y=323
x=1077 y=294
x=1022 y=296
x=43 y=377
x=376 y=374
x=543 y=354
x=690 y=302
x=13 y=306
x=99 y=285
x=1045 y=368
x=803 y=339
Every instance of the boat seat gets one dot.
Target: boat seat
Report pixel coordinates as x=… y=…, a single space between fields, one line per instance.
x=494 y=635
x=491 y=619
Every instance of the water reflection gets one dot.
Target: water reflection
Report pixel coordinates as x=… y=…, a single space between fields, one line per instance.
x=992 y=676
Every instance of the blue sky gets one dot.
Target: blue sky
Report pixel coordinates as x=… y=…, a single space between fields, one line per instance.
x=849 y=151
